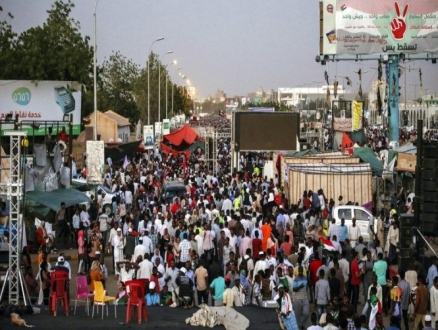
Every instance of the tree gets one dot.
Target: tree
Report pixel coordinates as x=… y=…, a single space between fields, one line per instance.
x=181 y=99
x=116 y=86
x=54 y=51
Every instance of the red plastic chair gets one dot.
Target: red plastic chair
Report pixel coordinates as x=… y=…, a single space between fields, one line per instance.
x=82 y=292
x=143 y=283
x=136 y=299
x=58 y=283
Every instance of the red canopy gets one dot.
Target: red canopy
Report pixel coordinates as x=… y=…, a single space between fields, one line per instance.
x=185 y=134
x=169 y=150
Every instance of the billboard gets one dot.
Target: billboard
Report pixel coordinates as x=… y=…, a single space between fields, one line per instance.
x=379 y=26
x=264 y=131
x=148 y=136
x=42 y=101
x=166 y=126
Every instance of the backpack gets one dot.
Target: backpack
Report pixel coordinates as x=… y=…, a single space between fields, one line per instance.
x=244 y=265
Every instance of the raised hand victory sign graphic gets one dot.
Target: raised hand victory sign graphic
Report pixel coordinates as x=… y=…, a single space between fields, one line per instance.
x=398 y=25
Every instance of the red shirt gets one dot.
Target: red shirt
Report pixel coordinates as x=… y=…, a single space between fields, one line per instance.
x=256 y=247
x=306 y=203
x=175 y=208
x=355 y=269
x=313 y=268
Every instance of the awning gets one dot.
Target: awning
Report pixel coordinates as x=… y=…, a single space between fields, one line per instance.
x=185 y=134
x=54 y=198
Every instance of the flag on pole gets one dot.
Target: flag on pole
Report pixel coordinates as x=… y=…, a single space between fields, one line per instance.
x=326 y=244
x=125 y=162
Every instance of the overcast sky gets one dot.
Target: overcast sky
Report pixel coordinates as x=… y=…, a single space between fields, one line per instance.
x=234 y=45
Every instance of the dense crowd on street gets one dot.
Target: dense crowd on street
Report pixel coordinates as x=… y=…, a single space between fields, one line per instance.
x=234 y=239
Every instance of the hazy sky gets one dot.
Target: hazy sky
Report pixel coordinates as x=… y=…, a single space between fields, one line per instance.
x=234 y=45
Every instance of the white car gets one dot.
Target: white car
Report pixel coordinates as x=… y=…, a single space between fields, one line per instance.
x=360 y=213
x=107 y=201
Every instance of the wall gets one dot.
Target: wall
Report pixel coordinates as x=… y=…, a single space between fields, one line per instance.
x=106 y=128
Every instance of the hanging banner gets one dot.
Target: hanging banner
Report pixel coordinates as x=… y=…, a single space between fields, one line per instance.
x=357 y=115
x=166 y=126
x=148 y=136
x=95 y=161
x=380 y=26
x=342 y=116
x=158 y=131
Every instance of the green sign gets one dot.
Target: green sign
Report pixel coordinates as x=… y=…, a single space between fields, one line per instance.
x=42 y=130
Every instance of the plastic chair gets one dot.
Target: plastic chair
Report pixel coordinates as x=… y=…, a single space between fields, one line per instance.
x=137 y=299
x=82 y=292
x=101 y=299
x=58 y=283
x=143 y=283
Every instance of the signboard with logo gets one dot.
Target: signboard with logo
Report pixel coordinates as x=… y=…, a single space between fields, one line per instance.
x=158 y=131
x=42 y=101
x=148 y=135
x=380 y=26
x=261 y=109
x=166 y=126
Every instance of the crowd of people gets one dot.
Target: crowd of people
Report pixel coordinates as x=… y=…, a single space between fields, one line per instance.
x=233 y=239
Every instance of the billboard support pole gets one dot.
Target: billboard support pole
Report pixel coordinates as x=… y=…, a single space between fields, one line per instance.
x=393 y=106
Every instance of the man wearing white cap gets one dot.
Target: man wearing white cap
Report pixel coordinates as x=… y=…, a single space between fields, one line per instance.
x=185 y=284
x=152 y=298
x=118 y=246
x=428 y=323
x=60 y=267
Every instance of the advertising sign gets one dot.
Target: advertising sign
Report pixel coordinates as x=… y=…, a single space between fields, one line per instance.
x=342 y=116
x=382 y=26
x=357 y=115
x=95 y=161
x=148 y=135
x=166 y=126
x=329 y=27
x=158 y=131
x=42 y=101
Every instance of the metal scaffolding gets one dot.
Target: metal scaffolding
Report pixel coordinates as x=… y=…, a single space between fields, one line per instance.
x=14 y=192
x=213 y=137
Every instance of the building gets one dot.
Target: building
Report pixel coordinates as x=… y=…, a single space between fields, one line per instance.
x=298 y=96
x=110 y=126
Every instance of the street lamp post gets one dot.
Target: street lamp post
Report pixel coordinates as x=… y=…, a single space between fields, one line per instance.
x=159 y=84
x=95 y=77
x=167 y=79
x=149 y=89
x=173 y=87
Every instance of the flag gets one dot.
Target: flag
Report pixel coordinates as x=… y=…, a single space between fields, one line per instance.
x=376 y=308
x=184 y=164
x=125 y=163
x=326 y=244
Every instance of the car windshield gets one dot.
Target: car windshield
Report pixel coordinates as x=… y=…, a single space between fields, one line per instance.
x=105 y=189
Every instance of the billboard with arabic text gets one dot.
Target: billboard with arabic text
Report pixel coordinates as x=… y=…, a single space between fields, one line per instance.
x=379 y=26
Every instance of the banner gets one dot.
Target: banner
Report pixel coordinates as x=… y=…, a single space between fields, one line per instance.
x=95 y=161
x=381 y=26
x=166 y=126
x=42 y=101
x=357 y=115
x=148 y=136
x=158 y=131
x=342 y=116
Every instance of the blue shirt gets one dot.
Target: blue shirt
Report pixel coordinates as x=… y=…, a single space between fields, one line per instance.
x=280 y=220
x=431 y=274
x=343 y=233
x=218 y=285
x=152 y=299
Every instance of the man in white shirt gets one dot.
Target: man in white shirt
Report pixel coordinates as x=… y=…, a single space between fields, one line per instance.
x=128 y=199
x=118 y=245
x=354 y=233
x=171 y=274
x=85 y=218
x=227 y=205
x=147 y=242
x=261 y=264
x=145 y=268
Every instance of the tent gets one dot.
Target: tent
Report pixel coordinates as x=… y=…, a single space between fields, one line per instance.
x=367 y=155
x=54 y=198
x=185 y=134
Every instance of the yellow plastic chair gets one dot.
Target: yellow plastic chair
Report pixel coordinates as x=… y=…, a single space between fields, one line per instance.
x=101 y=299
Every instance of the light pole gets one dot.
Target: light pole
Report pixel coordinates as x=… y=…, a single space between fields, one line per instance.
x=94 y=73
x=159 y=84
x=149 y=89
x=415 y=95
x=173 y=87
x=167 y=79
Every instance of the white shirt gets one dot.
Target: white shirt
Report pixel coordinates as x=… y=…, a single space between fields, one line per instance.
x=161 y=280
x=345 y=268
x=354 y=233
x=145 y=270
x=128 y=197
x=260 y=265
x=147 y=243
x=85 y=218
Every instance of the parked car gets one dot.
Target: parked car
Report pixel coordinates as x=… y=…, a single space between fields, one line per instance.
x=361 y=214
x=107 y=201
x=172 y=189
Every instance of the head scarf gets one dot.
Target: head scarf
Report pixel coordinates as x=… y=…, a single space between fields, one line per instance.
x=243 y=280
x=95 y=265
x=81 y=233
